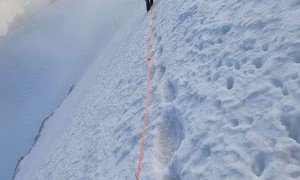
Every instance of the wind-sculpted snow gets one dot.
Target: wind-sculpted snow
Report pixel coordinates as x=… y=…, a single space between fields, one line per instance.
x=224 y=100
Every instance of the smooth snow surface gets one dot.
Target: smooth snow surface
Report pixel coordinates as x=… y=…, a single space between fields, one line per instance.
x=224 y=104
x=40 y=64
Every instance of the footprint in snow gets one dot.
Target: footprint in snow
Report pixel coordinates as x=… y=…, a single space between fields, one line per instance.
x=277 y=83
x=248 y=44
x=260 y=163
x=295 y=55
x=159 y=72
x=170 y=91
x=231 y=157
x=292 y=125
x=258 y=63
x=168 y=136
x=229 y=83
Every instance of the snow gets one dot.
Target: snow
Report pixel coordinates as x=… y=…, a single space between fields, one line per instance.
x=224 y=100
x=41 y=63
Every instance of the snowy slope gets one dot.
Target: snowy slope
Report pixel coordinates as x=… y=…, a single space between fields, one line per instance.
x=40 y=64
x=224 y=100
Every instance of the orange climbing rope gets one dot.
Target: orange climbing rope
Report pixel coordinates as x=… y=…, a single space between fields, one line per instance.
x=137 y=175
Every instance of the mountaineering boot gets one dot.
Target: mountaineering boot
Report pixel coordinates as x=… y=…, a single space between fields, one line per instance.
x=148 y=5
x=151 y=3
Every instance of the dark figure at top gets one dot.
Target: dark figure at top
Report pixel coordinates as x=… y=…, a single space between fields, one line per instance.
x=149 y=3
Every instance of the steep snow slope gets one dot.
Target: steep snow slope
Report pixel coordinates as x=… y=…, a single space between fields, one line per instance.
x=224 y=99
x=41 y=62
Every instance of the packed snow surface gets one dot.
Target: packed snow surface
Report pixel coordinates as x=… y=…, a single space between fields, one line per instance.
x=224 y=103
